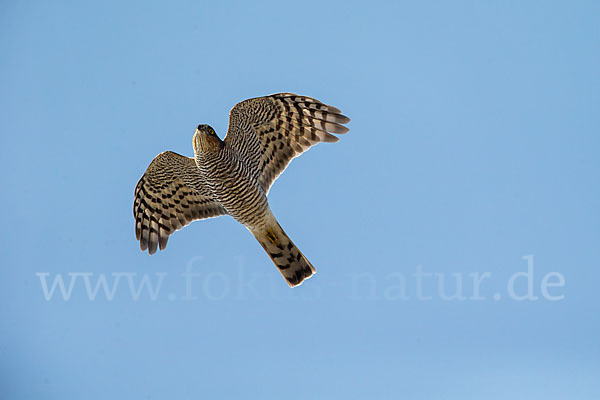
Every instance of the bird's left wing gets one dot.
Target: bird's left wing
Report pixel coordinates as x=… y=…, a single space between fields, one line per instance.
x=268 y=132
x=170 y=195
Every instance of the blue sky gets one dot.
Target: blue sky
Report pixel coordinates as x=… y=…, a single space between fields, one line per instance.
x=472 y=156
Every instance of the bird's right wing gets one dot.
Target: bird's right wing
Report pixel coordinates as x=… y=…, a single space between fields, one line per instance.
x=170 y=195
x=268 y=132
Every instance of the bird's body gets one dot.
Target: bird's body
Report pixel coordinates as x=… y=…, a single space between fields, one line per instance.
x=231 y=182
x=233 y=177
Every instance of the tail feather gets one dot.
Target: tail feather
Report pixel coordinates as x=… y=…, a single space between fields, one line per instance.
x=292 y=264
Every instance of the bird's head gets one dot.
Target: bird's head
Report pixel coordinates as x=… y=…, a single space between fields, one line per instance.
x=206 y=140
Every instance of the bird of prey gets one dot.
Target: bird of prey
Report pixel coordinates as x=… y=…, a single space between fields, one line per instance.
x=233 y=176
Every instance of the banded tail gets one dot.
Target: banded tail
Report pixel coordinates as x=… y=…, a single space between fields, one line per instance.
x=292 y=264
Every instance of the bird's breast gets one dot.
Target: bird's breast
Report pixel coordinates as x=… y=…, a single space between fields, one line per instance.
x=240 y=194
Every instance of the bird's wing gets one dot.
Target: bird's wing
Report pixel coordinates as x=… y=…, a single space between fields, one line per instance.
x=268 y=132
x=170 y=195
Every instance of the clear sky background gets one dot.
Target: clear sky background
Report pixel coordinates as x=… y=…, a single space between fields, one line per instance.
x=474 y=143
